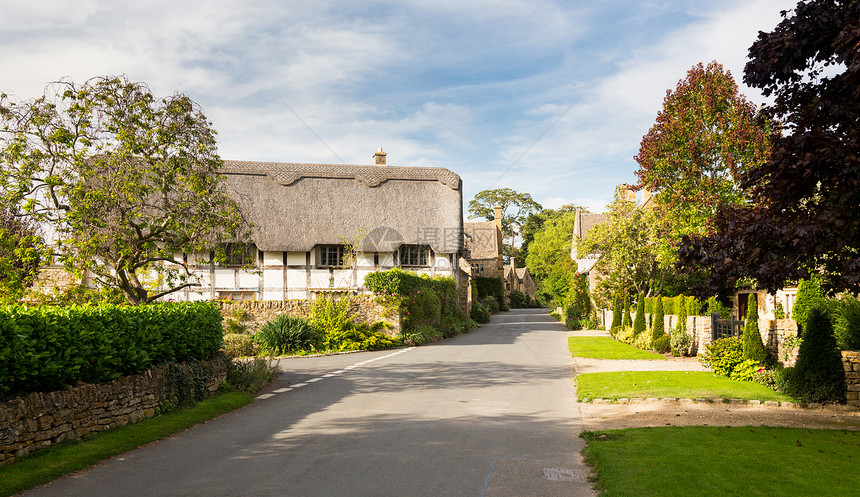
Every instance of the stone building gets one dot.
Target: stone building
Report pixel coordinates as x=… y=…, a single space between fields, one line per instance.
x=483 y=244
x=519 y=278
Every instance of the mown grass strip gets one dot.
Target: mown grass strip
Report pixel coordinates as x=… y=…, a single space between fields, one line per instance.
x=670 y=384
x=607 y=348
x=717 y=461
x=65 y=458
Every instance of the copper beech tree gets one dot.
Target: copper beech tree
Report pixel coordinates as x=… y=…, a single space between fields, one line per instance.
x=126 y=182
x=804 y=212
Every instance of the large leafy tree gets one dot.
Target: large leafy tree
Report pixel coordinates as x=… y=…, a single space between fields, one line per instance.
x=127 y=182
x=629 y=251
x=21 y=252
x=516 y=208
x=805 y=212
x=705 y=136
x=548 y=258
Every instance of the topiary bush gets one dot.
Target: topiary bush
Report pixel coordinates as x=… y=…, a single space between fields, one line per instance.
x=285 y=334
x=659 y=327
x=818 y=374
x=626 y=320
x=639 y=320
x=616 y=313
x=809 y=296
x=753 y=346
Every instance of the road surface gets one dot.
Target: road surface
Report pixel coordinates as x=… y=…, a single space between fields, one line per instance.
x=489 y=413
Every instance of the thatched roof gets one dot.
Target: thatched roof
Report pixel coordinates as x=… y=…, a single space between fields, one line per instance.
x=585 y=221
x=297 y=206
x=482 y=240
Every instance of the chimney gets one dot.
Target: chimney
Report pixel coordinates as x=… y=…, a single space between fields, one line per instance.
x=497 y=216
x=379 y=157
x=627 y=193
x=646 y=195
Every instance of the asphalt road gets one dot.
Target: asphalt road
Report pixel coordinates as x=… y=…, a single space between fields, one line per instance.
x=489 y=413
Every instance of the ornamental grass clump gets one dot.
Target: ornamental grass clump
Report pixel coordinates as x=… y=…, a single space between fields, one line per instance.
x=285 y=334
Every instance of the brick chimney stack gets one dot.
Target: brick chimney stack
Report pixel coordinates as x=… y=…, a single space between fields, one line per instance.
x=379 y=157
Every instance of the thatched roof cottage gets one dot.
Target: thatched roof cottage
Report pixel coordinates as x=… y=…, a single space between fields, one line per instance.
x=307 y=218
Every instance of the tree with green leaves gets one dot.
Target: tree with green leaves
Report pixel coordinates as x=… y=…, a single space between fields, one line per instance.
x=705 y=136
x=548 y=258
x=628 y=248
x=128 y=182
x=804 y=217
x=22 y=251
x=753 y=346
x=516 y=208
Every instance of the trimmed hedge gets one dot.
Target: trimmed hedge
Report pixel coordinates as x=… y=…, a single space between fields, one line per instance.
x=48 y=348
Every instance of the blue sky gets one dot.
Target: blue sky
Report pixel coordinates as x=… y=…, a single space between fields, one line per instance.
x=546 y=97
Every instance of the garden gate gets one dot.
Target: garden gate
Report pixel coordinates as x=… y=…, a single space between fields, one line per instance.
x=725 y=327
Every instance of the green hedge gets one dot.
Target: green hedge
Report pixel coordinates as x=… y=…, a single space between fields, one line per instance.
x=423 y=300
x=48 y=348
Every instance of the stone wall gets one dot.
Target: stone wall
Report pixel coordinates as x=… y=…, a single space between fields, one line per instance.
x=41 y=419
x=254 y=313
x=851 y=363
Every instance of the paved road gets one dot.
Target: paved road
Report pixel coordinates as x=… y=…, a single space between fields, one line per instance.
x=489 y=413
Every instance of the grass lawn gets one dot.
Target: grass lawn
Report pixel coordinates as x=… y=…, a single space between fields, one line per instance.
x=670 y=384
x=48 y=465
x=712 y=461
x=607 y=348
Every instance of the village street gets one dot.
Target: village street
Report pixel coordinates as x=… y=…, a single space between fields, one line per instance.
x=492 y=412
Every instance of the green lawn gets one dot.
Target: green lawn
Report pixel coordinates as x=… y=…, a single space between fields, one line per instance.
x=670 y=384
x=65 y=458
x=713 y=461
x=607 y=348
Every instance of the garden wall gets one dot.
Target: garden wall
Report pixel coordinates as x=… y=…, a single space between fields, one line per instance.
x=41 y=419
x=851 y=363
x=255 y=313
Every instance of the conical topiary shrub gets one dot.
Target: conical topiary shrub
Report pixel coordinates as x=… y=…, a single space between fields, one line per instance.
x=625 y=319
x=681 y=340
x=818 y=375
x=639 y=320
x=753 y=346
x=659 y=326
x=809 y=295
x=616 y=313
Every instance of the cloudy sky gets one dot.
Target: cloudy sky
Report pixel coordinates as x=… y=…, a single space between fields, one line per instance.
x=543 y=96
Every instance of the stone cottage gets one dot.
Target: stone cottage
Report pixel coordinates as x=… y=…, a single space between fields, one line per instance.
x=483 y=244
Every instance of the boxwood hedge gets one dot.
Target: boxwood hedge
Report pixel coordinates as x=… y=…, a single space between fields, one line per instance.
x=48 y=348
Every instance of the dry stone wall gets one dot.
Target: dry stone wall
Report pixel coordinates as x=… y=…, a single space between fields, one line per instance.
x=254 y=313
x=41 y=419
x=851 y=363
